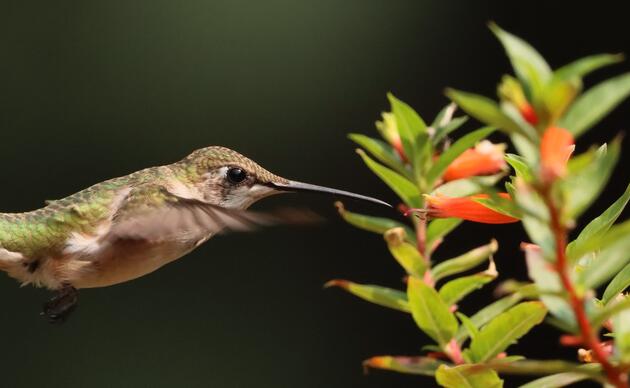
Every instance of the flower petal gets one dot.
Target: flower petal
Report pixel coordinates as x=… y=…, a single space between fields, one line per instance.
x=466 y=208
x=556 y=147
x=485 y=159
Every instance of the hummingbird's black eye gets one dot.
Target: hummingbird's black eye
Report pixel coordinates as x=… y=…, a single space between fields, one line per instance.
x=236 y=175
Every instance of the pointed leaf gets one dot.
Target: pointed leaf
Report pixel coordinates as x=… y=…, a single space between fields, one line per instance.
x=559 y=380
x=487 y=111
x=618 y=305
x=548 y=283
x=409 y=124
x=621 y=324
x=378 y=225
x=521 y=167
x=404 y=188
x=430 y=312
x=443 y=132
x=583 y=66
x=530 y=67
x=506 y=329
x=595 y=104
x=461 y=145
x=468 y=324
x=600 y=225
x=424 y=366
x=619 y=284
x=382 y=296
x=487 y=313
x=467 y=186
x=457 y=289
x=468 y=376
x=582 y=188
x=381 y=151
x=610 y=260
x=405 y=254
x=464 y=262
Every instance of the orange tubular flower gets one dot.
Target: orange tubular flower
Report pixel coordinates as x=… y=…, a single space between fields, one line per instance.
x=556 y=147
x=486 y=158
x=467 y=208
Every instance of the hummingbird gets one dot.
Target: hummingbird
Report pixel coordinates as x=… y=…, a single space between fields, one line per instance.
x=127 y=227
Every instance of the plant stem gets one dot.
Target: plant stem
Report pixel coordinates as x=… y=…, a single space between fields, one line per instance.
x=589 y=337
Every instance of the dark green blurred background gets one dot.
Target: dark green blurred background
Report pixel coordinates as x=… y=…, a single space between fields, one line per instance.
x=92 y=90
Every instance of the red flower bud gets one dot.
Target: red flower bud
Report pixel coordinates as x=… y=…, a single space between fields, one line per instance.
x=528 y=113
x=556 y=147
x=486 y=158
x=467 y=208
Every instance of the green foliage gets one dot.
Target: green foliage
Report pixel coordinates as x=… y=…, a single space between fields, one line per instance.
x=430 y=312
x=546 y=192
x=470 y=376
x=425 y=366
x=505 y=329
x=382 y=296
x=457 y=289
x=593 y=105
x=583 y=187
x=402 y=186
x=464 y=262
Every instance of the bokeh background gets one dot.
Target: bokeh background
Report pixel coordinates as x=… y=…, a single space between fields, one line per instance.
x=92 y=90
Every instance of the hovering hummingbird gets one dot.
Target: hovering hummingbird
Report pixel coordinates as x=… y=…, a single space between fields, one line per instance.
x=127 y=227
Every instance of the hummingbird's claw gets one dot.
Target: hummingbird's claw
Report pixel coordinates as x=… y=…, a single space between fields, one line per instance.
x=60 y=306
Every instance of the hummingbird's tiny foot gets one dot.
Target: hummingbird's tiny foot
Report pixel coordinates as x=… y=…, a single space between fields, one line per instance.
x=60 y=306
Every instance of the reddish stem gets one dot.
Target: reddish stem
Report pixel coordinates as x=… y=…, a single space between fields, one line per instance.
x=589 y=337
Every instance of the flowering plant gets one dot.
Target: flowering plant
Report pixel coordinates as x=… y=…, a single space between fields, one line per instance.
x=577 y=286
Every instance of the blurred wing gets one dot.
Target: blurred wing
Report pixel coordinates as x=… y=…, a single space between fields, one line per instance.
x=170 y=217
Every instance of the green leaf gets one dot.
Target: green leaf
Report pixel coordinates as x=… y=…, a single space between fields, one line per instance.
x=487 y=313
x=404 y=188
x=487 y=111
x=620 y=282
x=406 y=116
x=378 y=225
x=621 y=323
x=558 y=380
x=442 y=132
x=424 y=366
x=582 y=188
x=616 y=233
x=409 y=124
x=468 y=324
x=405 y=254
x=382 y=296
x=464 y=262
x=505 y=329
x=468 y=376
x=439 y=228
x=548 y=283
x=381 y=151
x=595 y=104
x=610 y=260
x=467 y=186
x=430 y=312
x=613 y=308
x=600 y=225
x=530 y=67
x=583 y=66
x=457 y=289
x=521 y=167
x=461 y=145
x=545 y=367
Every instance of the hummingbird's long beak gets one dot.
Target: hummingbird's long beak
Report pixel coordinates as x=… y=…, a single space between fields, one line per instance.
x=299 y=186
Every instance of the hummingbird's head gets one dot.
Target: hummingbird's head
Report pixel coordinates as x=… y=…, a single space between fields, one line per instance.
x=231 y=180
